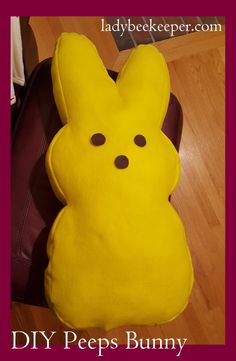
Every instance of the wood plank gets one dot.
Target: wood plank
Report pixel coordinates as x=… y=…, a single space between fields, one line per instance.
x=48 y=29
x=198 y=82
x=181 y=46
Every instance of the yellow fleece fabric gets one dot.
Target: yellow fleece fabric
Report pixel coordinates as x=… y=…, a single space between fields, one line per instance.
x=117 y=250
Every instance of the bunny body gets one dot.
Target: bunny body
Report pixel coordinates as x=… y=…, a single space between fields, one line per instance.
x=117 y=250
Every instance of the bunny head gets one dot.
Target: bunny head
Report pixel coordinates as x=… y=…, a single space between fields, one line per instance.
x=113 y=129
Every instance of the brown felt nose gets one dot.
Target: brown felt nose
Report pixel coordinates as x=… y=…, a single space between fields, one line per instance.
x=121 y=162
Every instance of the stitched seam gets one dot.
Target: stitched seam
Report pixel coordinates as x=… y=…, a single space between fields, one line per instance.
x=59 y=83
x=58 y=133
x=177 y=175
x=55 y=180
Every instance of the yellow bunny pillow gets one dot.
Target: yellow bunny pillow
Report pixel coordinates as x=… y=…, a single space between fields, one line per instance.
x=117 y=250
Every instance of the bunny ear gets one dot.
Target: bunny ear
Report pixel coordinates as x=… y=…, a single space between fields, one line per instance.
x=78 y=75
x=144 y=82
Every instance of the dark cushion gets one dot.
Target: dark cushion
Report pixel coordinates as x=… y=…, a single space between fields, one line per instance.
x=34 y=205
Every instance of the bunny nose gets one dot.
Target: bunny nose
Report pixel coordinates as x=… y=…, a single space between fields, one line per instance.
x=121 y=162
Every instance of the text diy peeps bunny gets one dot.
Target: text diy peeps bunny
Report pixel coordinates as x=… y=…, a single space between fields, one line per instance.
x=39 y=339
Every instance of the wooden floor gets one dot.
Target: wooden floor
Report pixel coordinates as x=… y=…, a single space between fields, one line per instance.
x=196 y=65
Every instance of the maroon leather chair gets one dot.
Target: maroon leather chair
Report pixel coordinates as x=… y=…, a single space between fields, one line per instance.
x=34 y=205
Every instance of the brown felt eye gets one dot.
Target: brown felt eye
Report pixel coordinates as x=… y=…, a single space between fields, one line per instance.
x=98 y=139
x=140 y=140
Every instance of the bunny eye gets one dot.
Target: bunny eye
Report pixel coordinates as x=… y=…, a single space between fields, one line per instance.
x=140 y=140
x=98 y=139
